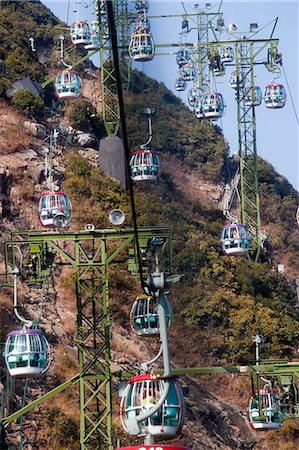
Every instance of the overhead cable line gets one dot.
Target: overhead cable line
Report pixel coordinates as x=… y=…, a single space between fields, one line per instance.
x=113 y=37
x=290 y=94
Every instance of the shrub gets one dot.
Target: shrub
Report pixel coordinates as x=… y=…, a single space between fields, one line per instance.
x=28 y=102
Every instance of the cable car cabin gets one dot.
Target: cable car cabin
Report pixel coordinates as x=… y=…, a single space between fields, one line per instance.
x=212 y=105
x=54 y=210
x=145 y=165
x=142 y=47
x=193 y=95
x=180 y=84
x=275 y=96
x=227 y=54
x=141 y=6
x=269 y=415
x=67 y=85
x=235 y=239
x=235 y=80
x=154 y=447
x=144 y=316
x=183 y=57
x=198 y=110
x=26 y=353
x=142 y=25
x=257 y=96
x=94 y=41
x=80 y=33
x=188 y=72
x=142 y=393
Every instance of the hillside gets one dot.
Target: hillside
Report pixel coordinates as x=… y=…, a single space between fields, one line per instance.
x=220 y=302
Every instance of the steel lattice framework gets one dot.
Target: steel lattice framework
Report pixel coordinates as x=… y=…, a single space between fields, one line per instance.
x=90 y=253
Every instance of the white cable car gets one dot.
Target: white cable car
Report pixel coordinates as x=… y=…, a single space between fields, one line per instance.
x=80 y=33
x=235 y=80
x=142 y=393
x=154 y=447
x=188 y=72
x=198 y=110
x=145 y=165
x=226 y=54
x=67 y=84
x=94 y=41
x=269 y=415
x=275 y=96
x=257 y=96
x=183 y=57
x=144 y=317
x=54 y=210
x=180 y=84
x=212 y=105
x=142 y=47
x=26 y=353
x=235 y=239
x=193 y=94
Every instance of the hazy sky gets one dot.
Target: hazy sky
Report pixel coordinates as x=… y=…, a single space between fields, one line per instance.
x=277 y=130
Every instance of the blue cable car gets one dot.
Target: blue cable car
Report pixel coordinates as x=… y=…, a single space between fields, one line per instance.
x=267 y=415
x=67 y=84
x=94 y=41
x=275 y=96
x=188 y=71
x=80 y=33
x=142 y=47
x=144 y=316
x=254 y=100
x=212 y=105
x=180 y=84
x=183 y=57
x=235 y=80
x=193 y=94
x=142 y=393
x=235 y=239
x=54 y=210
x=26 y=353
x=145 y=165
x=226 y=54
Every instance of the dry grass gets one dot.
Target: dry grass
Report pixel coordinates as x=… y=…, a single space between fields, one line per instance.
x=13 y=136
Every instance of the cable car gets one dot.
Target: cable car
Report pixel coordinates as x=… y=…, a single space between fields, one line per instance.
x=257 y=96
x=154 y=447
x=145 y=165
x=275 y=96
x=226 y=54
x=235 y=80
x=235 y=239
x=26 y=353
x=180 y=84
x=54 y=210
x=80 y=33
x=219 y=71
x=212 y=105
x=142 y=393
x=142 y=24
x=144 y=316
x=188 y=72
x=142 y=47
x=94 y=41
x=269 y=415
x=67 y=84
x=142 y=5
x=183 y=57
x=198 y=110
x=193 y=94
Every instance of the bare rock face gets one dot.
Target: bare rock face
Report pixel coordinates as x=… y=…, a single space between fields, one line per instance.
x=36 y=129
x=85 y=139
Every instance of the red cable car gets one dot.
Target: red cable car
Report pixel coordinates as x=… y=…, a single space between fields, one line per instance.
x=154 y=447
x=145 y=165
x=143 y=393
x=275 y=96
x=54 y=210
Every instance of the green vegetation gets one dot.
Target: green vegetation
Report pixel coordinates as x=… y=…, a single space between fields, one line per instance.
x=83 y=117
x=176 y=130
x=28 y=102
